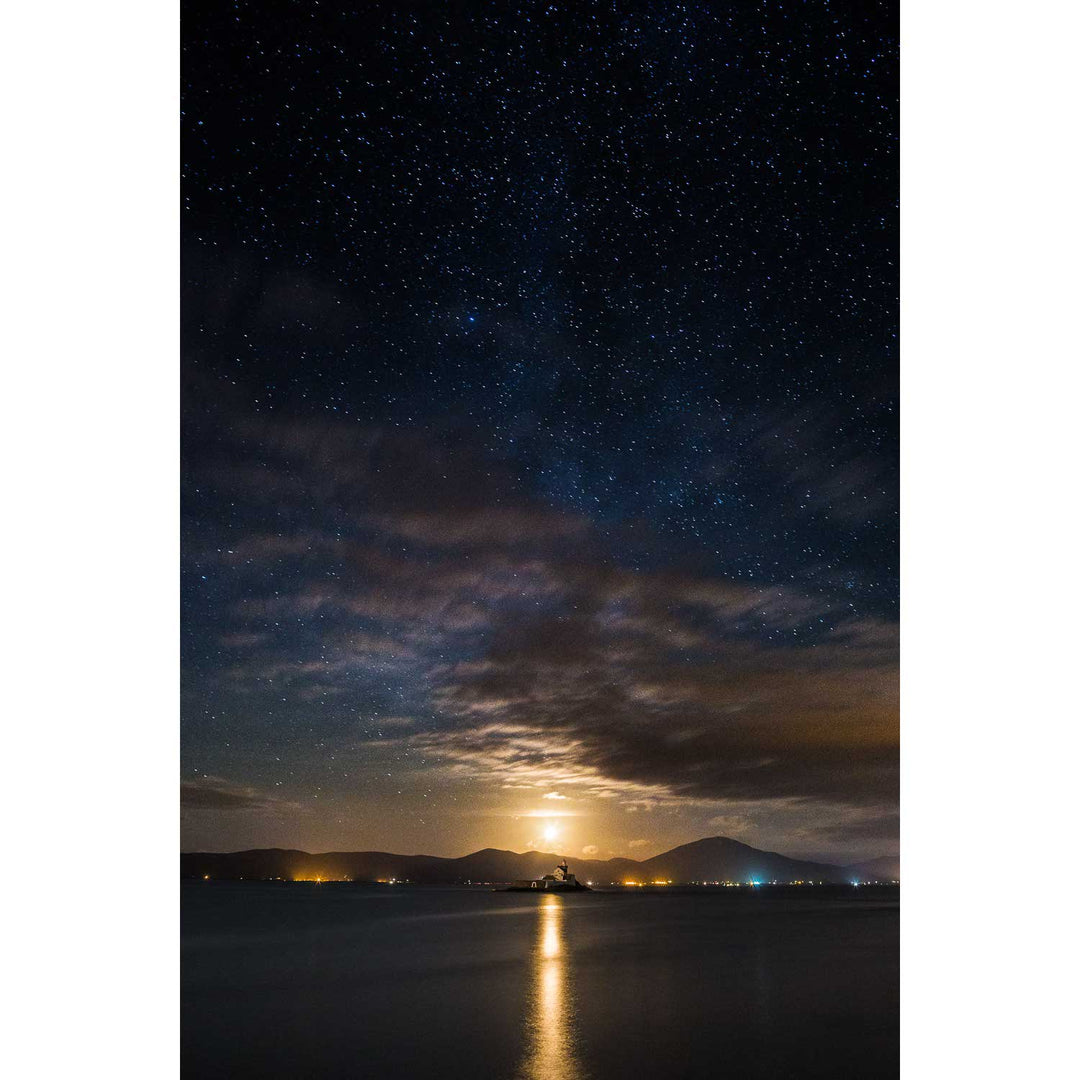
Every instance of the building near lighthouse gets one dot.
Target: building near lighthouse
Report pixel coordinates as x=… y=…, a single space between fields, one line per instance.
x=560 y=881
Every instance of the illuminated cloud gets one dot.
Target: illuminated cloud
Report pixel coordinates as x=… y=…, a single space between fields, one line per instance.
x=505 y=644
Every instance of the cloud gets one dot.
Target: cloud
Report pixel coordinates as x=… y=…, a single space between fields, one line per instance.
x=263 y=549
x=849 y=486
x=243 y=640
x=481 y=526
x=880 y=825
x=215 y=793
x=637 y=843
x=590 y=849
x=396 y=721
x=530 y=655
x=603 y=706
x=730 y=824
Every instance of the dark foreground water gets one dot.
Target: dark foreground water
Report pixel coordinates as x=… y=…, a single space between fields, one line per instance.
x=312 y=981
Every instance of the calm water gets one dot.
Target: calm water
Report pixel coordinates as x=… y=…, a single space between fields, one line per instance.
x=320 y=981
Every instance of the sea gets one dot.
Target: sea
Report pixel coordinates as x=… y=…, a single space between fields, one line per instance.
x=306 y=980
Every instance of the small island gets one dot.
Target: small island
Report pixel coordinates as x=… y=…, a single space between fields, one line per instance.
x=561 y=881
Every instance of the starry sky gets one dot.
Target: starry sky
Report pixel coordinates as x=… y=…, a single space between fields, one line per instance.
x=539 y=426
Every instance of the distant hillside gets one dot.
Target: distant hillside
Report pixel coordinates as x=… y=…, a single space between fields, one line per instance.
x=716 y=858
x=887 y=868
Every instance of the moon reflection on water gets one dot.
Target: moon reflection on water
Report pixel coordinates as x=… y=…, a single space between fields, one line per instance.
x=551 y=1037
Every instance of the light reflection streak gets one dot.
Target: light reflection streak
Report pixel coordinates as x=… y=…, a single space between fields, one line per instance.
x=550 y=1050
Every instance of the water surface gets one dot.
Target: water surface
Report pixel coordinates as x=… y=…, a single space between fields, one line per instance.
x=289 y=980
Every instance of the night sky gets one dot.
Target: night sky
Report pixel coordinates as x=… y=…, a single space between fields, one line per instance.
x=540 y=436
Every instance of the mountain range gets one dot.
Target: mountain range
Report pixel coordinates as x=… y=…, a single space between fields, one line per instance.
x=716 y=858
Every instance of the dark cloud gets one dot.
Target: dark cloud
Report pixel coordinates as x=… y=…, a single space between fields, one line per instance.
x=695 y=689
x=481 y=526
x=541 y=661
x=731 y=719
x=884 y=826
x=214 y=793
